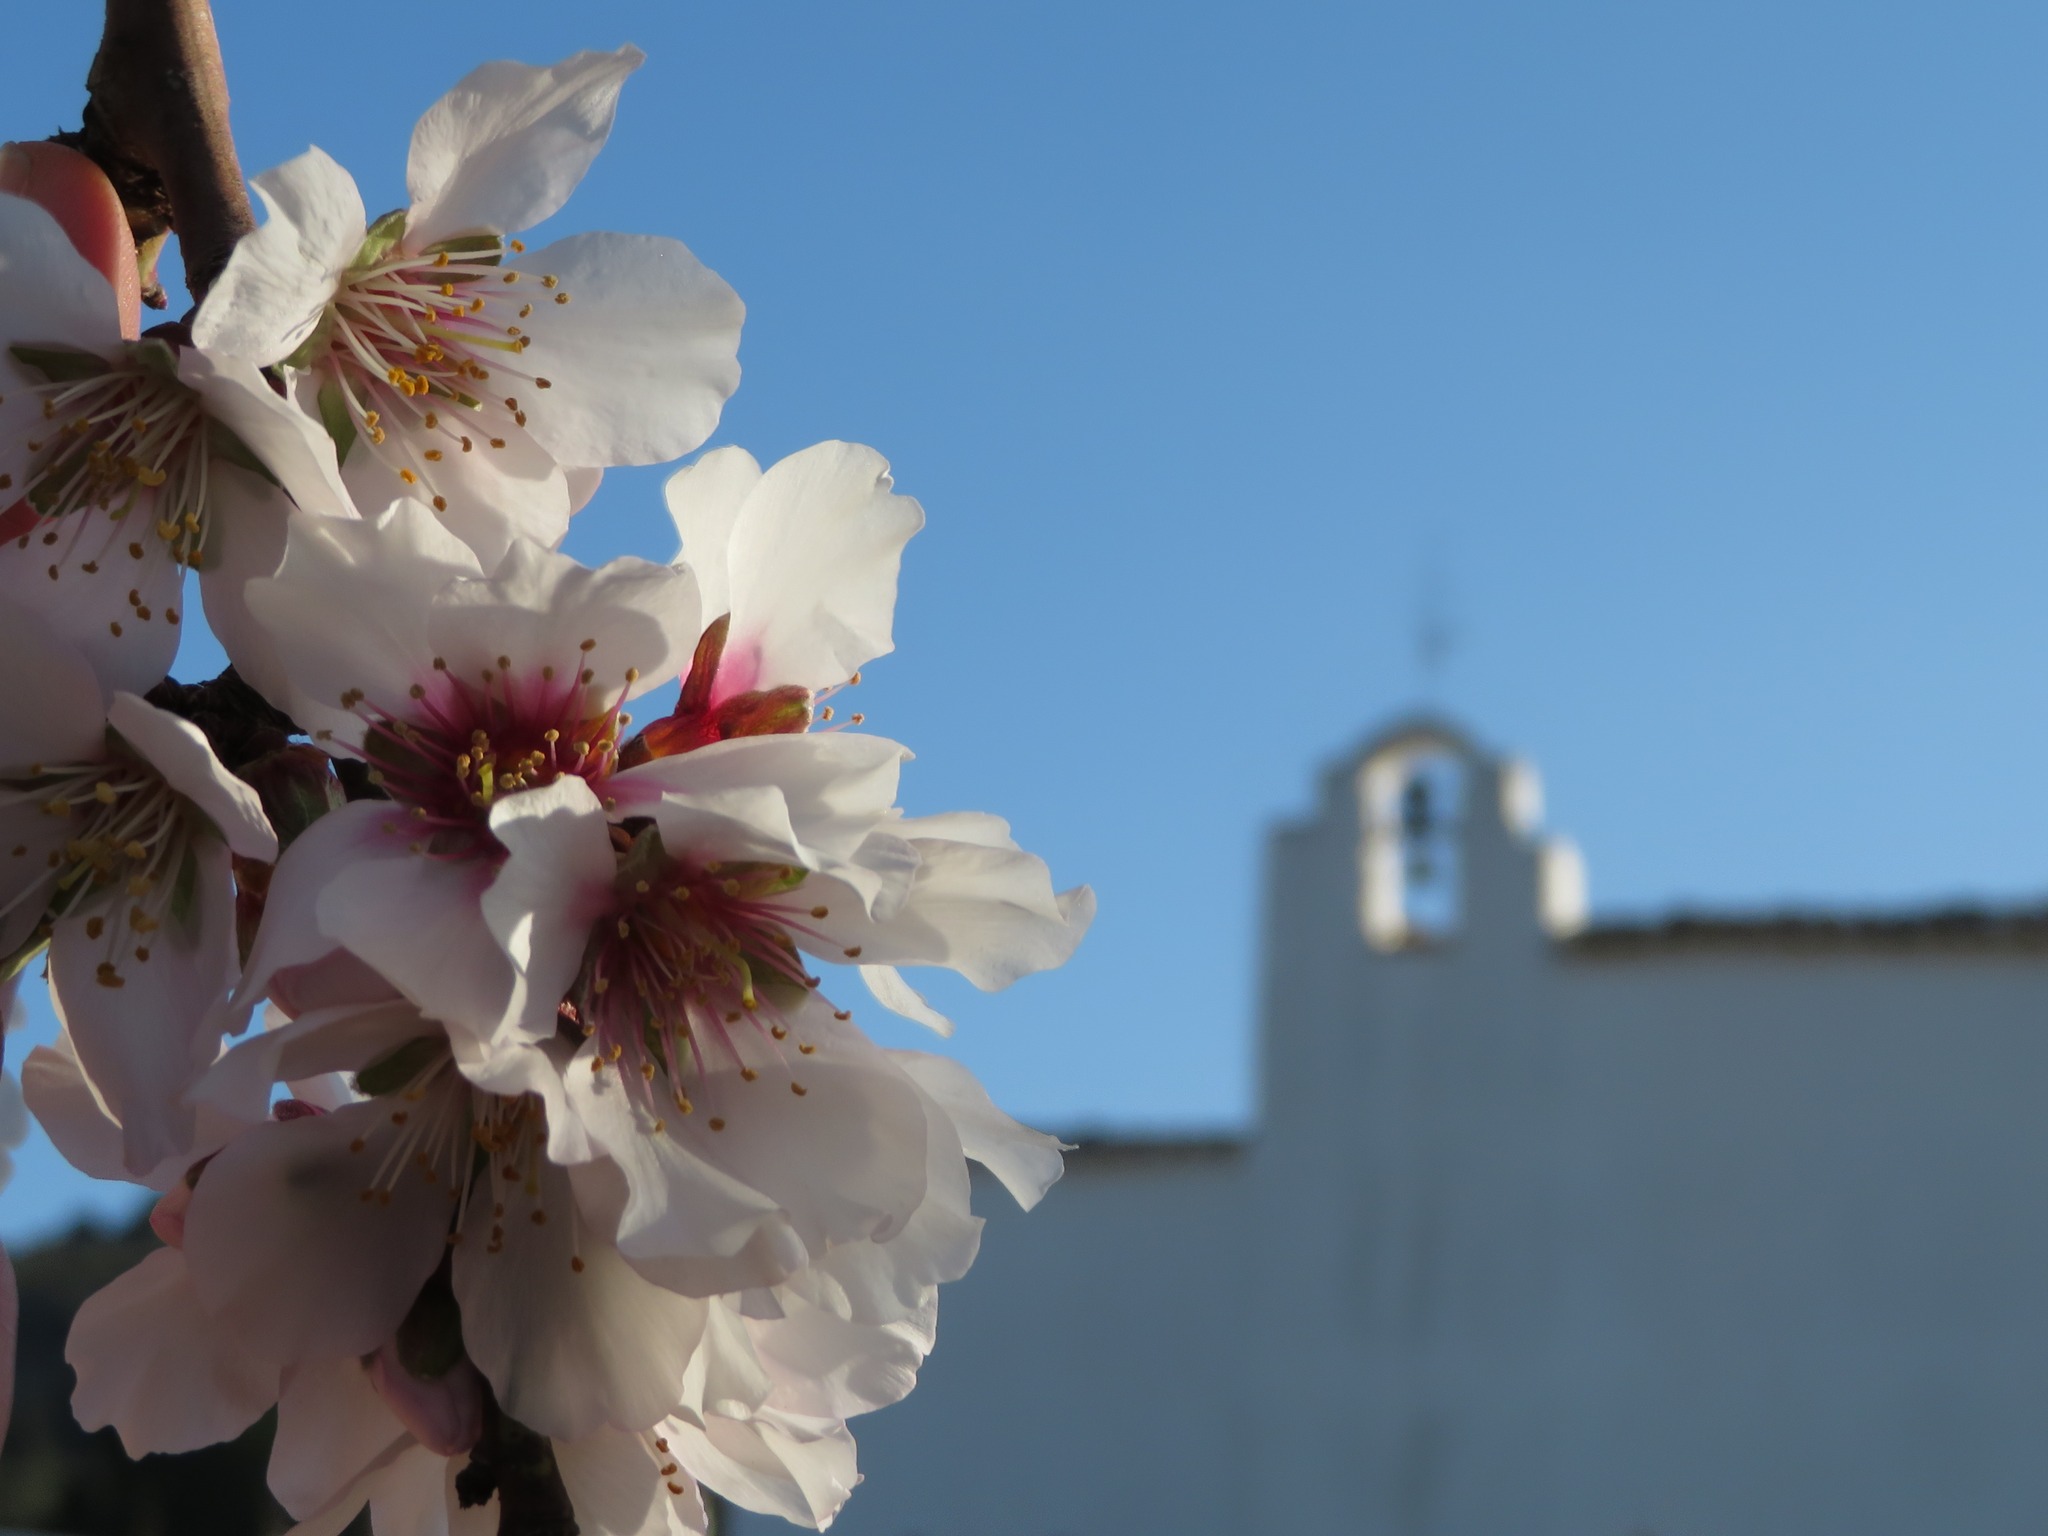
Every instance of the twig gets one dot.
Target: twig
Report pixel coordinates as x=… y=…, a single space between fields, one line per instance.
x=157 y=124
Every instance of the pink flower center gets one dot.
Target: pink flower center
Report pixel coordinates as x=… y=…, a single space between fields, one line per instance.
x=459 y=747
x=695 y=960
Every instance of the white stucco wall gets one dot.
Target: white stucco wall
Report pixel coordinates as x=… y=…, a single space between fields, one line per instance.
x=1738 y=1229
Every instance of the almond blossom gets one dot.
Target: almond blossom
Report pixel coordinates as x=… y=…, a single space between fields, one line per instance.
x=450 y=362
x=351 y=1264
x=117 y=824
x=124 y=463
x=458 y=691
x=670 y=908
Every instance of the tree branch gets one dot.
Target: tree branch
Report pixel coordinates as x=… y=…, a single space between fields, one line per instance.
x=157 y=124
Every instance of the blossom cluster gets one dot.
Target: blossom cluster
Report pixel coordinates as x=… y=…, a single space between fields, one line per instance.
x=492 y=1053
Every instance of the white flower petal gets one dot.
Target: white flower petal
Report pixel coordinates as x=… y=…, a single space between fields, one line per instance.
x=290 y=443
x=31 y=838
x=555 y=882
x=401 y=1464
x=985 y=909
x=290 y=936
x=641 y=360
x=90 y=608
x=331 y=1428
x=178 y=750
x=845 y=1159
x=705 y=500
x=347 y=610
x=497 y=491
x=1026 y=1161
x=419 y=922
x=281 y=276
x=506 y=147
x=145 y=1041
x=726 y=1376
x=515 y=1067
x=583 y=484
x=72 y=1115
x=900 y=997
x=538 y=609
x=812 y=567
x=332 y=1040
x=681 y=1221
x=748 y=824
x=772 y=1464
x=415 y=1496
x=826 y=1366
x=837 y=786
x=49 y=696
x=892 y=1281
x=569 y=1348
x=615 y=1484
x=157 y=1367
x=281 y=1238
x=245 y=542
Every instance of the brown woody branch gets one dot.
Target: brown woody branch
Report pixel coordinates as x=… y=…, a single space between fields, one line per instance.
x=157 y=124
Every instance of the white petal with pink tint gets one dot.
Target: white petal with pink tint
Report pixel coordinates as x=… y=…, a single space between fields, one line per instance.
x=141 y=1028
x=331 y=1426
x=165 y=1373
x=538 y=609
x=281 y=1237
x=347 y=610
x=570 y=1337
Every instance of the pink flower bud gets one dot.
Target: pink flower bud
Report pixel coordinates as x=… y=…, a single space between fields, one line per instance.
x=167 y=1217
x=445 y=1414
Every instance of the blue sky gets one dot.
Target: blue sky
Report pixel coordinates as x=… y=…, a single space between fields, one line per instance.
x=1699 y=347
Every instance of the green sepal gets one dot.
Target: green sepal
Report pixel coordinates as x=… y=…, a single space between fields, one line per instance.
x=60 y=365
x=303 y=354
x=645 y=860
x=223 y=442
x=185 y=895
x=393 y=1070
x=763 y=880
x=430 y=1339
x=20 y=960
x=383 y=235
x=335 y=418
x=157 y=356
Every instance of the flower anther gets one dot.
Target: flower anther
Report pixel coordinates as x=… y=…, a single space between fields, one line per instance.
x=457 y=746
x=432 y=346
x=126 y=859
x=695 y=969
x=118 y=469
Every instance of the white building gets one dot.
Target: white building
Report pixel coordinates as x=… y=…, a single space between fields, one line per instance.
x=1708 y=1228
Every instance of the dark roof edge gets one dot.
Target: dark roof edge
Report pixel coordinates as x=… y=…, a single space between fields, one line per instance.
x=1958 y=928
x=1096 y=1148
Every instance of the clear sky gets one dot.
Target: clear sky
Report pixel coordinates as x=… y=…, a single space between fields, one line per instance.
x=1700 y=350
